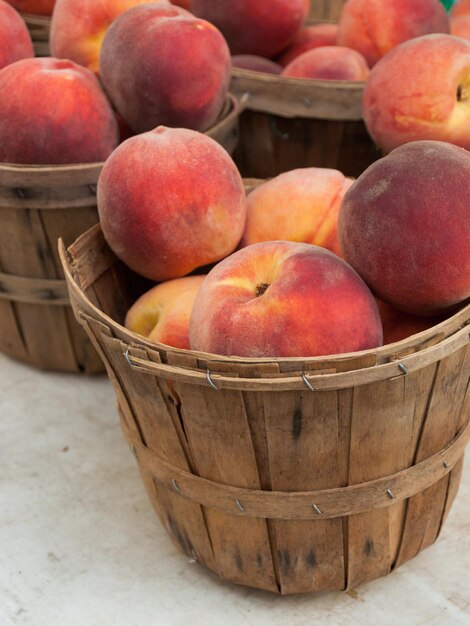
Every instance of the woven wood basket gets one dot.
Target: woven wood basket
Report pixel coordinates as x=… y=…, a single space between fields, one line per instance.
x=290 y=475
x=37 y=205
x=39 y=27
x=326 y=9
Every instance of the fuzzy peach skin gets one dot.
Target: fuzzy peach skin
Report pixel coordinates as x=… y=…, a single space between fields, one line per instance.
x=168 y=69
x=186 y=4
x=462 y=7
x=328 y=63
x=35 y=7
x=309 y=38
x=301 y=206
x=255 y=26
x=170 y=201
x=420 y=90
x=373 y=27
x=255 y=64
x=53 y=111
x=398 y=325
x=162 y=314
x=15 y=40
x=78 y=27
x=283 y=299
x=405 y=227
x=460 y=26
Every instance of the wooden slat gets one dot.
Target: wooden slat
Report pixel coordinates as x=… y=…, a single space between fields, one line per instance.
x=326 y=9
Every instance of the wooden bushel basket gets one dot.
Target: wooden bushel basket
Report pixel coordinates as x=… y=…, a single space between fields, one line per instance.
x=39 y=204
x=290 y=475
x=39 y=27
x=326 y=9
x=290 y=123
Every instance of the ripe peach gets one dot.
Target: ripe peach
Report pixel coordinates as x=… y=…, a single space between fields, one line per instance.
x=186 y=4
x=78 y=27
x=309 y=38
x=255 y=26
x=35 y=7
x=281 y=299
x=170 y=201
x=15 y=40
x=162 y=314
x=375 y=27
x=420 y=90
x=163 y=66
x=405 y=227
x=462 y=7
x=398 y=325
x=460 y=26
x=328 y=63
x=255 y=64
x=53 y=111
x=301 y=205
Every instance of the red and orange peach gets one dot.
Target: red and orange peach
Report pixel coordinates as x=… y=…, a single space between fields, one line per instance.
x=460 y=26
x=15 y=40
x=375 y=27
x=35 y=7
x=163 y=313
x=163 y=66
x=255 y=26
x=420 y=90
x=255 y=63
x=462 y=7
x=398 y=325
x=283 y=299
x=405 y=227
x=300 y=206
x=171 y=200
x=308 y=38
x=328 y=63
x=53 y=111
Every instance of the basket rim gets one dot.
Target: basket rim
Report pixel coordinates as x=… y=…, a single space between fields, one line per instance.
x=382 y=354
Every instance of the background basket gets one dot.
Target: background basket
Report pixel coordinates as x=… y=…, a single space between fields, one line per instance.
x=39 y=27
x=326 y=9
x=39 y=204
x=290 y=475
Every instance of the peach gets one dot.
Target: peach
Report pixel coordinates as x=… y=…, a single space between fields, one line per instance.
x=255 y=64
x=328 y=63
x=163 y=66
x=301 y=206
x=284 y=299
x=171 y=200
x=255 y=26
x=15 y=40
x=462 y=7
x=185 y=4
x=405 y=227
x=78 y=27
x=35 y=7
x=398 y=325
x=53 y=111
x=460 y=26
x=309 y=38
x=420 y=90
x=373 y=27
x=162 y=314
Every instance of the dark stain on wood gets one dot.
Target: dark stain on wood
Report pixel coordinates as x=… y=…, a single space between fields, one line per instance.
x=369 y=549
x=259 y=560
x=239 y=560
x=297 y=424
x=180 y=537
x=310 y=559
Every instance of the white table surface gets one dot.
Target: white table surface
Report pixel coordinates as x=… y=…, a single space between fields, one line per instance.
x=80 y=544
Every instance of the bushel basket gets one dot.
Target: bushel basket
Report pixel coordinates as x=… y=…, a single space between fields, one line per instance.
x=290 y=475
x=326 y=9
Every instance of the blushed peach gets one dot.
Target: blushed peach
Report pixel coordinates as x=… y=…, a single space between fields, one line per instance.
x=170 y=201
x=328 y=63
x=405 y=227
x=282 y=299
x=301 y=206
x=162 y=314
x=420 y=90
x=373 y=27
x=53 y=111
x=255 y=64
x=398 y=325
x=462 y=7
x=15 y=40
x=35 y=7
x=460 y=26
x=255 y=26
x=309 y=38
x=165 y=67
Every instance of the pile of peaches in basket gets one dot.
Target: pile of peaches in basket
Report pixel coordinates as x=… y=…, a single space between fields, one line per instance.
x=308 y=263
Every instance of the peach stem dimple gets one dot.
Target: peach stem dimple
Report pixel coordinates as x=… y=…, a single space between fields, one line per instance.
x=261 y=288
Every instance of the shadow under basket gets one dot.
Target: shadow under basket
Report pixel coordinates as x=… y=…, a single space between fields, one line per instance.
x=290 y=123
x=290 y=475
x=39 y=204
x=39 y=27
